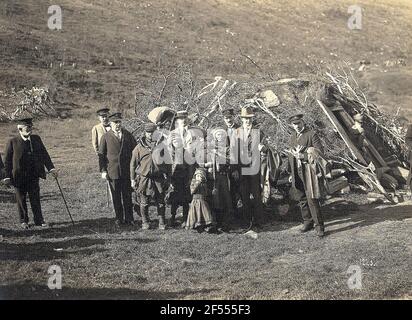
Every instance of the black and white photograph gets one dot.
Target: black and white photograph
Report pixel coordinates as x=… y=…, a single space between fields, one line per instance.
x=223 y=152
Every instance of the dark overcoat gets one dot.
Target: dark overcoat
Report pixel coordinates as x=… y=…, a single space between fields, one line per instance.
x=146 y=168
x=24 y=162
x=308 y=173
x=115 y=154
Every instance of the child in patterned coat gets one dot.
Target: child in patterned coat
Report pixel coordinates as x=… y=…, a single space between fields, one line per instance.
x=200 y=215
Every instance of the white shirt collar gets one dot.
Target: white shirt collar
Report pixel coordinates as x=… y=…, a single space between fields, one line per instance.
x=25 y=138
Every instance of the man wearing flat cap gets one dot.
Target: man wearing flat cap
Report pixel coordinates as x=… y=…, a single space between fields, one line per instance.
x=408 y=140
x=251 y=142
x=25 y=161
x=115 y=154
x=231 y=126
x=100 y=129
x=147 y=177
x=305 y=145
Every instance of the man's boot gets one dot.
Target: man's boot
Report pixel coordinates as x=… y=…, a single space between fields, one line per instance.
x=185 y=214
x=172 y=221
x=307 y=226
x=162 y=224
x=144 y=210
x=320 y=231
x=161 y=212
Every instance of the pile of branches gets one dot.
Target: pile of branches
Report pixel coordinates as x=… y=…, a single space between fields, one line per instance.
x=34 y=102
x=205 y=100
x=384 y=130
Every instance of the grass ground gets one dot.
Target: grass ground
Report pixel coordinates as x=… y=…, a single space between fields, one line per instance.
x=99 y=261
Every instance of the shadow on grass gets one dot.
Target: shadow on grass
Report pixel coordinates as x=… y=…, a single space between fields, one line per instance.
x=7 y=196
x=34 y=291
x=357 y=216
x=371 y=216
x=41 y=251
x=80 y=228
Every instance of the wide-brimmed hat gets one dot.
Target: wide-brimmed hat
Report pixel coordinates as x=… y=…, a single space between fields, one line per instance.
x=247 y=112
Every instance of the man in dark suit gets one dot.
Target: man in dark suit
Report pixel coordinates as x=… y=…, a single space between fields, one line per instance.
x=1 y=168
x=408 y=139
x=305 y=183
x=250 y=144
x=25 y=162
x=115 y=154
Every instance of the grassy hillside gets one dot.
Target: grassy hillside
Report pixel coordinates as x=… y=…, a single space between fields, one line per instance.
x=107 y=49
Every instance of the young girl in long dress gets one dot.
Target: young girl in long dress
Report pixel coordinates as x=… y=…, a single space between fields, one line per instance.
x=200 y=215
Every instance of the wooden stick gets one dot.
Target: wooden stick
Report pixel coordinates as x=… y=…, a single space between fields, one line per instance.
x=353 y=149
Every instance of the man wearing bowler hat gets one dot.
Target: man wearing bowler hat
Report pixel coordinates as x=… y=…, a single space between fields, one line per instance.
x=25 y=161
x=305 y=146
x=147 y=177
x=115 y=154
x=100 y=129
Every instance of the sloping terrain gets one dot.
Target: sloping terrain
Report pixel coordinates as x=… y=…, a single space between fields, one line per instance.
x=107 y=50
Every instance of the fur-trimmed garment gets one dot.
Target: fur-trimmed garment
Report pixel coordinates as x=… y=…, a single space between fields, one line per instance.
x=200 y=214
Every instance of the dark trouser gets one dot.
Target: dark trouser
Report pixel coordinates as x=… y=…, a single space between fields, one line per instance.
x=309 y=207
x=251 y=196
x=311 y=214
x=122 y=199
x=234 y=192
x=222 y=202
x=145 y=203
x=185 y=207
x=182 y=196
x=31 y=188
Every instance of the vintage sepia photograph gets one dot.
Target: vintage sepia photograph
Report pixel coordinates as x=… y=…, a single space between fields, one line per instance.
x=221 y=152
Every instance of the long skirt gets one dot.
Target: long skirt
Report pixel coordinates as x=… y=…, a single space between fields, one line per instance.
x=199 y=215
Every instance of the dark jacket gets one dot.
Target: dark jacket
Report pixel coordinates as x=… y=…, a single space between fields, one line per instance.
x=146 y=169
x=307 y=172
x=115 y=155
x=246 y=149
x=22 y=163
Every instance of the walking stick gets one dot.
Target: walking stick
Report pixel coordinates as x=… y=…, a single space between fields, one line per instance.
x=107 y=195
x=64 y=199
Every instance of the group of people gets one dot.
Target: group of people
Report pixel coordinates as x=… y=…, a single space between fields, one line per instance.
x=214 y=176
